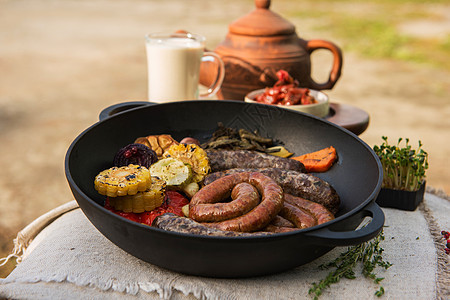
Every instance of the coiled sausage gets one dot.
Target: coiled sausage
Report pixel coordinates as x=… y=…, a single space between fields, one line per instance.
x=295 y=183
x=244 y=198
x=272 y=198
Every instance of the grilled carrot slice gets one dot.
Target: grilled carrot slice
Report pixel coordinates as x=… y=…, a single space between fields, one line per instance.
x=319 y=161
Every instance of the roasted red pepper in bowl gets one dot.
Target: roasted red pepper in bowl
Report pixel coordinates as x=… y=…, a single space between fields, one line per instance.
x=286 y=91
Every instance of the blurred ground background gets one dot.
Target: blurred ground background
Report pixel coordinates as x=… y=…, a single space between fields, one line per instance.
x=62 y=62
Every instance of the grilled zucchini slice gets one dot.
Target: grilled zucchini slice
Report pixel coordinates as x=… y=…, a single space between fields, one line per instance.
x=192 y=155
x=173 y=171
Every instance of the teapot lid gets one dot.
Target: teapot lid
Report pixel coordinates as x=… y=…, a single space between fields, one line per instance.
x=262 y=22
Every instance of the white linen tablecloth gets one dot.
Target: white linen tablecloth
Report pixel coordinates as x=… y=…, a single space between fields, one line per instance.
x=70 y=259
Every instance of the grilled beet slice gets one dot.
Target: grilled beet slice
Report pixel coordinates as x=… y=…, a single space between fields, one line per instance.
x=137 y=154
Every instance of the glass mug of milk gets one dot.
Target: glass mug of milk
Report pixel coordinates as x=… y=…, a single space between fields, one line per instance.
x=174 y=67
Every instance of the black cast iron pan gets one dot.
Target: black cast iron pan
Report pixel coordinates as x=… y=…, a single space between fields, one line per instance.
x=356 y=177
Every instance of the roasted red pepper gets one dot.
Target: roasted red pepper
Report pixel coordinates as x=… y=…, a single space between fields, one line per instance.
x=130 y=216
x=173 y=203
x=148 y=216
x=286 y=92
x=176 y=201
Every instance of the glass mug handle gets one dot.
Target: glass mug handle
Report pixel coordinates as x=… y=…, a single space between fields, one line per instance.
x=217 y=83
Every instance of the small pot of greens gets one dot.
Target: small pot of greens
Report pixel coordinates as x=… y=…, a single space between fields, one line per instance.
x=404 y=170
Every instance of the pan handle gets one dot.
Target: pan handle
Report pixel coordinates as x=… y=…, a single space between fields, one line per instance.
x=120 y=107
x=327 y=237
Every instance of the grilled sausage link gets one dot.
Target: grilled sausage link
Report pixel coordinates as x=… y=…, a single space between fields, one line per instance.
x=244 y=198
x=299 y=217
x=281 y=222
x=321 y=213
x=278 y=229
x=175 y=223
x=295 y=183
x=272 y=198
x=298 y=213
x=228 y=159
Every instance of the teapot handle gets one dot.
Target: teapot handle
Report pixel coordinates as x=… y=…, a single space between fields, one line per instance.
x=335 y=72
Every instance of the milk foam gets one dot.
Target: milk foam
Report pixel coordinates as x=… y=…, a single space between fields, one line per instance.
x=178 y=42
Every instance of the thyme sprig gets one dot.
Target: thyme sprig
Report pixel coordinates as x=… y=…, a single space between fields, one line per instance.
x=403 y=167
x=368 y=253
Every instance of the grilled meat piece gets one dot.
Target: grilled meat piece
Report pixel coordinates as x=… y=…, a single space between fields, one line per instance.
x=228 y=159
x=172 y=222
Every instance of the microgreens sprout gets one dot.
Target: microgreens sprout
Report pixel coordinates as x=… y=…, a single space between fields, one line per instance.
x=403 y=167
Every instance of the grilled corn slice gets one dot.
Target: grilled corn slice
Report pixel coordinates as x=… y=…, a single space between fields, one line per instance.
x=121 y=181
x=142 y=201
x=192 y=155
x=173 y=171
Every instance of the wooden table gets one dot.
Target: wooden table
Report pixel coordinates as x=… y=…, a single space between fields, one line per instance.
x=350 y=117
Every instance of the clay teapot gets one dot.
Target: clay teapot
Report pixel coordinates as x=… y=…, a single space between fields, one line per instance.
x=261 y=43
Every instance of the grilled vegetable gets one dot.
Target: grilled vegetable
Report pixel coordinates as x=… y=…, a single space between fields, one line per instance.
x=142 y=201
x=158 y=143
x=185 y=210
x=130 y=216
x=121 y=181
x=173 y=204
x=232 y=139
x=278 y=151
x=173 y=171
x=192 y=155
x=319 y=161
x=190 y=140
x=190 y=189
x=136 y=154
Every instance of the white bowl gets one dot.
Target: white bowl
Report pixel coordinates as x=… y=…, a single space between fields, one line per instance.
x=319 y=109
